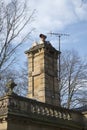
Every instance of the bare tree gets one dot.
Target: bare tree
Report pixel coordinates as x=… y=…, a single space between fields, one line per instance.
x=22 y=81
x=73 y=79
x=83 y=2
x=20 y=77
x=14 y=18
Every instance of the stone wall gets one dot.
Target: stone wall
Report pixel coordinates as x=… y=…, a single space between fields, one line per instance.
x=3 y=125
x=19 y=113
x=43 y=74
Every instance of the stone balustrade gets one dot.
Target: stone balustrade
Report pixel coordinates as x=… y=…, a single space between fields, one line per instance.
x=50 y=111
x=34 y=109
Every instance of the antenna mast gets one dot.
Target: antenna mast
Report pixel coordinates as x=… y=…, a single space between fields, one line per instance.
x=59 y=35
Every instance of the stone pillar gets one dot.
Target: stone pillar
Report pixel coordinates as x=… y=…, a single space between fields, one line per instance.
x=43 y=79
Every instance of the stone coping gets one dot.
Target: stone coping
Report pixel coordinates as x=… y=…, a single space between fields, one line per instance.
x=46 y=45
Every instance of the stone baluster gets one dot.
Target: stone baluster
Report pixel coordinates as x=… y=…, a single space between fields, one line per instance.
x=33 y=108
x=55 y=113
x=68 y=116
x=43 y=111
x=47 y=111
x=64 y=116
x=38 y=109
x=59 y=114
x=51 y=112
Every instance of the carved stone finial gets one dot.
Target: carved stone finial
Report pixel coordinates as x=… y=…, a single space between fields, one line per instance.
x=10 y=86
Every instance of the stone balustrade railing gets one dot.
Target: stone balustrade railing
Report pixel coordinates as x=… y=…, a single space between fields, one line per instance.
x=29 y=108
x=50 y=111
